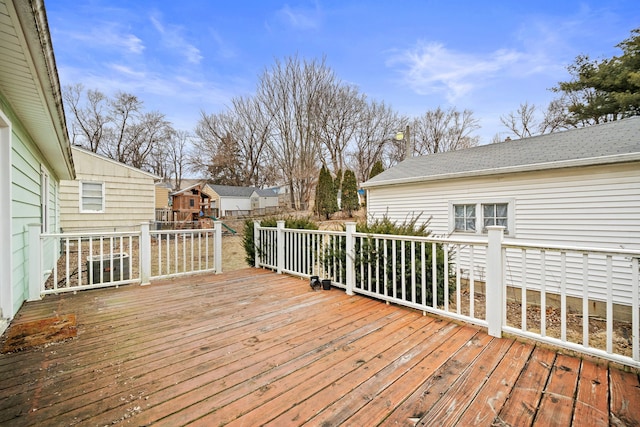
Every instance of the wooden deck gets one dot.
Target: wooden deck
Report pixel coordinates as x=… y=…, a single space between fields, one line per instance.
x=251 y=347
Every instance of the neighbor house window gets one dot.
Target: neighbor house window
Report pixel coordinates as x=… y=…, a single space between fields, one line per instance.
x=91 y=197
x=495 y=214
x=465 y=217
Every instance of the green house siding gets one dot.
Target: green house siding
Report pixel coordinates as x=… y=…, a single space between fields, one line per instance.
x=26 y=199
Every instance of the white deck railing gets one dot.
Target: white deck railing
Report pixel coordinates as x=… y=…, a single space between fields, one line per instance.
x=583 y=299
x=95 y=260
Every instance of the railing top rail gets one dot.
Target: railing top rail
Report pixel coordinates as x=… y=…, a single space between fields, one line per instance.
x=426 y=239
x=186 y=230
x=306 y=231
x=564 y=248
x=92 y=234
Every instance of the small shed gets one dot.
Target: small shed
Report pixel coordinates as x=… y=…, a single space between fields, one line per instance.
x=265 y=199
x=229 y=200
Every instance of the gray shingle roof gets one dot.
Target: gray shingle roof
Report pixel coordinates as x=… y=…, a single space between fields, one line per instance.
x=266 y=192
x=233 y=191
x=606 y=143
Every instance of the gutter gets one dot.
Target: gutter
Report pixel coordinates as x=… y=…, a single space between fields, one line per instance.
x=590 y=161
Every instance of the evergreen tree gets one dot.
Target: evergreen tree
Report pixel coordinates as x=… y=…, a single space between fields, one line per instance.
x=376 y=169
x=605 y=90
x=350 y=193
x=326 y=202
x=337 y=187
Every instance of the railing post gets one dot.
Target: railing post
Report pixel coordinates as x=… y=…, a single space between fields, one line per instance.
x=145 y=254
x=350 y=247
x=494 y=285
x=217 y=227
x=35 y=261
x=256 y=243
x=280 y=247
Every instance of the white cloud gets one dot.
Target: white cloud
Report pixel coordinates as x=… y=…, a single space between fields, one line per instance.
x=128 y=71
x=299 y=18
x=173 y=39
x=432 y=68
x=108 y=35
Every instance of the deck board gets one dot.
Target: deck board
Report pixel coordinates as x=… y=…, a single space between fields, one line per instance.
x=251 y=347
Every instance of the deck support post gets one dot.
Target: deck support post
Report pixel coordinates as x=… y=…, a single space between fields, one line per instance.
x=280 y=247
x=145 y=254
x=217 y=246
x=35 y=262
x=256 y=244
x=495 y=287
x=350 y=245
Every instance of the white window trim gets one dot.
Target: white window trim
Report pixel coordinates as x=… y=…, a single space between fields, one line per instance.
x=80 y=197
x=45 y=200
x=511 y=209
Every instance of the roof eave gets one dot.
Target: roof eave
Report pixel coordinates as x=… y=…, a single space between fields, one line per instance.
x=593 y=161
x=35 y=29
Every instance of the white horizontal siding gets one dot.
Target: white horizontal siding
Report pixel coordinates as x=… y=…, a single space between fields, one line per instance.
x=129 y=195
x=595 y=205
x=592 y=206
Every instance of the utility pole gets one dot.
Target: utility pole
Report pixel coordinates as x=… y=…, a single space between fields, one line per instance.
x=407 y=140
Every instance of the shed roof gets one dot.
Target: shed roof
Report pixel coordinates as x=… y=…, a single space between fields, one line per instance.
x=266 y=192
x=234 y=191
x=613 y=142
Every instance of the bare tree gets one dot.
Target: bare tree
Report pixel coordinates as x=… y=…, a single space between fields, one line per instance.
x=118 y=127
x=215 y=149
x=172 y=157
x=232 y=145
x=443 y=130
x=339 y=113
x=254 y=128
x=89 y=118
x=373 y=139
x=524 y=122
x=290 y=93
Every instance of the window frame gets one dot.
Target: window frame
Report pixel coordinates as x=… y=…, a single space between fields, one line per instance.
x=475 y=216
x=479 y=204
x=45 y=200
x=81 y=197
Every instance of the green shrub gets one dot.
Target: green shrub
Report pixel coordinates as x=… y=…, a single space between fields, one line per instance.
x=372 y=256
x=304 y=223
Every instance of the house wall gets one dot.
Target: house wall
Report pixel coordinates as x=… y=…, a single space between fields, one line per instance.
x=129 y=196
x=597 y=205
x=268 y=202
x=24 y=164
x=162 y=197
x=589 y=206
x=234 y=204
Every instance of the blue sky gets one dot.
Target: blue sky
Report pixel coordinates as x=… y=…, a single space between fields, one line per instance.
x=183 y=57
